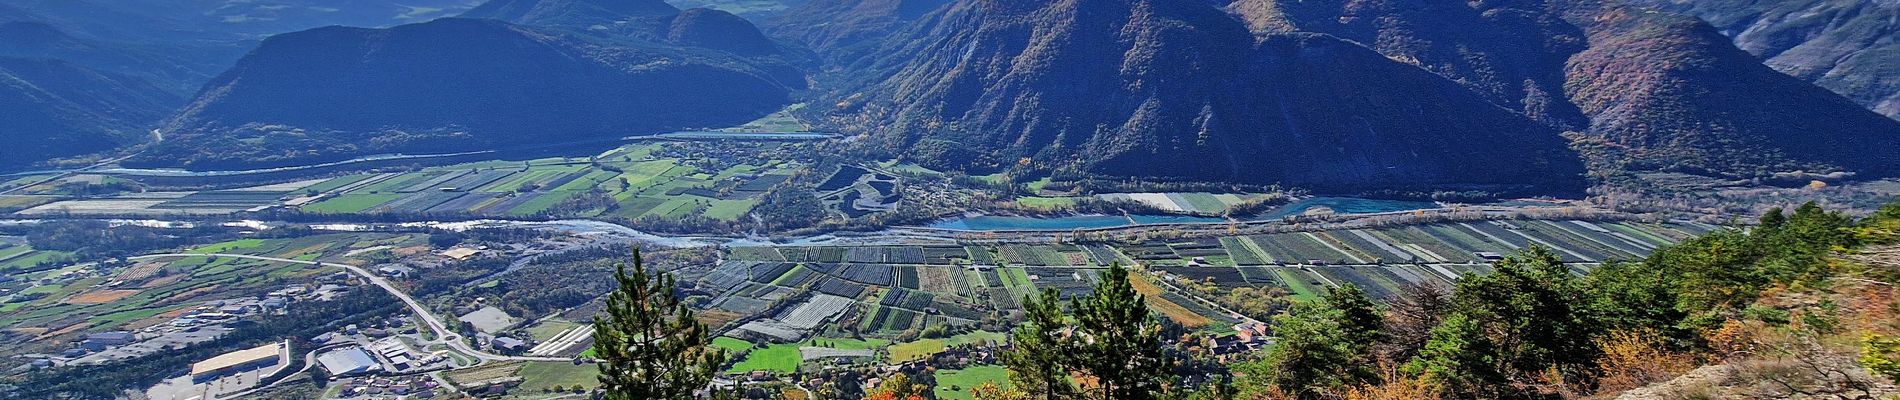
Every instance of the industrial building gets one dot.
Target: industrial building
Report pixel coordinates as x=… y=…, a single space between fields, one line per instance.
x=240 y=361
x=349 y=361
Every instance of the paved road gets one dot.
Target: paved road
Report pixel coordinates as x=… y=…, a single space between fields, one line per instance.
x=435 y=323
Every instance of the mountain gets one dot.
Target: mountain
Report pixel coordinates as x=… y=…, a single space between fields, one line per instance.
x=1182 y=90
x=177 y=73
x=59 y=109
x=653 y=20
x=1345 y=96
x=720 y=30
x=1644 y=90
x=847 y=26
x=581 y=14
x=1667 y=92
x=1512 y=53
x=453 y=84
x=178 y=45
x=156 y=21
x=1849 y=47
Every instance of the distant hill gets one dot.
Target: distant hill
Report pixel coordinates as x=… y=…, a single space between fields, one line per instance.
x=653 y=20
x=1849 y=47
x=453 y=84
x=59 y=109
x=159 y=21
x=175 y=46
x=175 y=72
x=582 y=14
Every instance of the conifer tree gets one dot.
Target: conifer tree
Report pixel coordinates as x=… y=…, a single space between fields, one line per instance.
x=1118 y=342
x=1461 y=359
x=649 y=343
x=1361 y=324
x=1307 y=358
x=1036 y=358
x=1323 y=346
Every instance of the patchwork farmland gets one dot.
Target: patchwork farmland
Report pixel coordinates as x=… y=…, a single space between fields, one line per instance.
x=807 y=294
x=629 y=182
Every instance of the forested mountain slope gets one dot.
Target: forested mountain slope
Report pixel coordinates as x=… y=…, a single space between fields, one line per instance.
x=454 y=84
x=1851 y=47
x=58 y=109
x=1185 y=90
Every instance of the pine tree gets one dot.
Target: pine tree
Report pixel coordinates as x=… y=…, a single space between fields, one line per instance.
x=1634 y=297
x=1535 y=313
x=649 y=343
x=1323 y=346
x=1118 y=342
x=1361 y=324
x=1307 y=358
x=1036 y=358
x=1461 y=359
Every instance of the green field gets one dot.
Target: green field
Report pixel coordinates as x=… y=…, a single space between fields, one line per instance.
x=729 y=210
x=351 y=203
x=1300 y=283
x=539 y=375
x=916 y=350
x=957 y=383
x=14 y=203
x=849 y=344
x=782 y=358
x=11 y=251
x=1046 y=203
x=641 y=185
x=396 y=183
x=333 y=184
x=539 y=203
x=732 y=346
x=29 y=260
x=227 y=247
x=546 y=330
x=925 y=347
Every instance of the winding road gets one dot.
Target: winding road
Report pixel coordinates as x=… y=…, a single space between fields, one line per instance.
x=448 y=337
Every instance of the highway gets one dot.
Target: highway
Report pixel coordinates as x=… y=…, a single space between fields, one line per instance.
x=448 y=337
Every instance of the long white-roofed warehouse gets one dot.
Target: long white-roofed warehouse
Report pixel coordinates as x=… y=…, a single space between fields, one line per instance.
x=242 y=360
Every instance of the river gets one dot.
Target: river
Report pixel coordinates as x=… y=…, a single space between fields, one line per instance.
x=897 y=235
x=1340 y=205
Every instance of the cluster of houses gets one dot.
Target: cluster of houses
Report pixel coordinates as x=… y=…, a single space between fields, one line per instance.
x=1248 y=337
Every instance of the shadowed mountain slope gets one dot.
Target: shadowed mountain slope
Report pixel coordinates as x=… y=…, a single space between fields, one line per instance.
x=454 y=84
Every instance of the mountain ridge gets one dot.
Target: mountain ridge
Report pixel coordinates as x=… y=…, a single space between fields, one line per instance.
x=983 y=84
x=1845 y=46
x=1077 y=85
x=453 y=84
